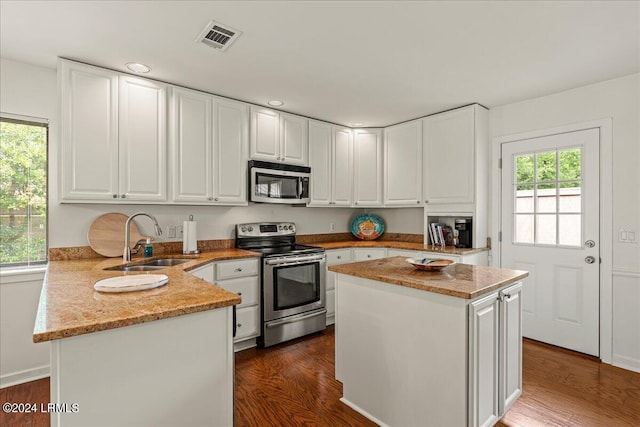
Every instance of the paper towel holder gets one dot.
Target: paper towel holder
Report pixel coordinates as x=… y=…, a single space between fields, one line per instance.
x=184 y=251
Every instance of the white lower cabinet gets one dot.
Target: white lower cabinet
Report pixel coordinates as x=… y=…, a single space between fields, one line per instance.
x=334 y=257
x=495 y=355
x=367 y=254
x=239 y=276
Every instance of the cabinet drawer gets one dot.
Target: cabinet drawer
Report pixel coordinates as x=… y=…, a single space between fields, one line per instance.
x=246 y=323
x=338 y=256
x=369 y=254
x=236 y=268
x=246 y=287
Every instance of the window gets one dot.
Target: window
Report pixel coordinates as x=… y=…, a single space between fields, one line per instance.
x=548 y=198
x=23 y=192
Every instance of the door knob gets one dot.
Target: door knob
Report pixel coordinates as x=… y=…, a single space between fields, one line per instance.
x=589 y=243
x=589 y=260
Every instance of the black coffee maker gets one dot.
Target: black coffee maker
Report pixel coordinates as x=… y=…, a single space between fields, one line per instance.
x=464 y=227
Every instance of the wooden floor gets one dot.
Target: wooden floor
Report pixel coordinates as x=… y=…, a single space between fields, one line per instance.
x=293 y=384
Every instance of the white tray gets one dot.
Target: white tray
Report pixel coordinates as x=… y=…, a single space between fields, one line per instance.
x=131 y=283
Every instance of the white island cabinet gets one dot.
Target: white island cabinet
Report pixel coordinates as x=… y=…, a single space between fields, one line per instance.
x=428 y=348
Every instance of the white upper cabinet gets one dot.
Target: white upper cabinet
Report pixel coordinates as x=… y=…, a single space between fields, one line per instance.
x=331 y=161
x=403 y=164
x=209 y=143
x=342 y=166
x=320 y=160
x=230 y=149
x=143 y=139
x=191 y=134
x=279 y=137
x=114 y=136
x=449 y=150
x=89 y=132
x=367 y=167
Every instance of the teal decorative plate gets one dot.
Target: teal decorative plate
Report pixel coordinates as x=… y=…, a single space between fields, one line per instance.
x=367 y=227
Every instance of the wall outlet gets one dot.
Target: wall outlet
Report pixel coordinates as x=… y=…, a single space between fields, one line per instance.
x=171 y=232
x=627 y=236
x=332 y=226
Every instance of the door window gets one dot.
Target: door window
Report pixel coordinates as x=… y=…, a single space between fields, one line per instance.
x=547 y=198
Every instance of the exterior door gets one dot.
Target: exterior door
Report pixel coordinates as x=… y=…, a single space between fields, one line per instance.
x=550 y=227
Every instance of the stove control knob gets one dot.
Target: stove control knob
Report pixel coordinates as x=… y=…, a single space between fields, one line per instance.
x=250 y=228
x=243 y=228
x=290 y=227
x=280 y=227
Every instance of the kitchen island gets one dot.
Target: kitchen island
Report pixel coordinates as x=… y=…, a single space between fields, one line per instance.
x=160 y=357
x=418 y=348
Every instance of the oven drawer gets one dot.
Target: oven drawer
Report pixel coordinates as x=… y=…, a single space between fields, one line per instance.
x=247 y=321
x=247 y=287
x=236 y=268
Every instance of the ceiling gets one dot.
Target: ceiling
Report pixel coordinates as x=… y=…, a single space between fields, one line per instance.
x=375 y=62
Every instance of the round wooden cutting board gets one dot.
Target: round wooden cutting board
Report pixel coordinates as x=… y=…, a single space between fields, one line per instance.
x=106 y=234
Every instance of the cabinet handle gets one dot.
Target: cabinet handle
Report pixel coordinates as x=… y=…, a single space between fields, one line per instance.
x=216 y=199
x=339 y=256
x=369 y=256
x=239 y=325
x=356 y=203
x=239 y=269
x=115 y=196
x=210 y=198
x=426 y=201
x=418 y=202
x=123 y=196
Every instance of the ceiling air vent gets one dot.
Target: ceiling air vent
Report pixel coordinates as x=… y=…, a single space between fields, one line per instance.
x=218 y=35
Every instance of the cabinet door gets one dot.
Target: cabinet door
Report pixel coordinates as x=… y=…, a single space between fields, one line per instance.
x=367 y=254
x=294 y=139
x=89 y=116
x=204 y=272
x=342 y=171
x=367 y=167
x=320 y=162
x=265 y=134
x=511 y=346
x=483 y=361
x=449 y=151
x=191 y=145
x=403 y=164
x=230 y=146
x=143 y=139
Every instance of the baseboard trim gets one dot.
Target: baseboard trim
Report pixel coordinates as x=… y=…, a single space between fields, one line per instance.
x=363 y=412
x=626 y=362
x=21 y=377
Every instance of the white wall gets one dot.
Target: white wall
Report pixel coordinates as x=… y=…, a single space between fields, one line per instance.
x=619 y=100
x=20 y=359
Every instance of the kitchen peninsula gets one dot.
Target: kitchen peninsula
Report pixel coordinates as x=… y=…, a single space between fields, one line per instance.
x=161 y=357
x=421 y=348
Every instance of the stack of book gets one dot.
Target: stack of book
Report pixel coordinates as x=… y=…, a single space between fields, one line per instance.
x=440 y=234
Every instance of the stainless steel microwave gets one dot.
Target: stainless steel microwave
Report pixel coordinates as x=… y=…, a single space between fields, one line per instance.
x=278 y=183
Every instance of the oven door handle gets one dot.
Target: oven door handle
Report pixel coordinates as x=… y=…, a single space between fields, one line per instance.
x=296 y=319
x=293 y=260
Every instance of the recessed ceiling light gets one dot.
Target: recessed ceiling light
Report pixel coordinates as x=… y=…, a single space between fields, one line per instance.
x=357 y=124
x=275 y=103
x=136 y=67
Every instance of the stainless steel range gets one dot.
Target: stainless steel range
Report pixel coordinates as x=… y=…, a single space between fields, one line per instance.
x=293 y=288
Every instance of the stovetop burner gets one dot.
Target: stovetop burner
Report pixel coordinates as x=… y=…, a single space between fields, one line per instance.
x=271 y=239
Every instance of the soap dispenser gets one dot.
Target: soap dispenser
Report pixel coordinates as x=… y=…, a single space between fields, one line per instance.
x=148 y=249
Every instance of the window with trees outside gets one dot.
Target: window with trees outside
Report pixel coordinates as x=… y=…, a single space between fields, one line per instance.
x=23 y=192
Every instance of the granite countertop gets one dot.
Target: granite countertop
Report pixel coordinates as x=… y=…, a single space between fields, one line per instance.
x=70 y=306
x=458 y=280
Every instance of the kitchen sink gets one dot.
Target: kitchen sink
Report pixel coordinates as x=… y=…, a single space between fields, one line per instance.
x=156 y=264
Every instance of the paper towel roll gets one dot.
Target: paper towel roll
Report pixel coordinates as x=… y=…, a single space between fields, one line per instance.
x=189 y=239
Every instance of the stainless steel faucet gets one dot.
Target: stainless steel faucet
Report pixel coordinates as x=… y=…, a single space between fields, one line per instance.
x=126 y=255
